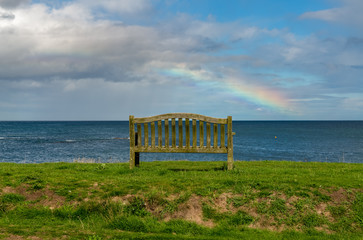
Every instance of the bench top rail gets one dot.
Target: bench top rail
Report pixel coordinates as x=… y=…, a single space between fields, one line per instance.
x=181 y=115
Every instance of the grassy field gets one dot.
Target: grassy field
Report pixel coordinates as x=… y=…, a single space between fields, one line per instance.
x=181 y=200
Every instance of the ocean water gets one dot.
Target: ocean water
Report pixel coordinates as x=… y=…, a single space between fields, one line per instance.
x=319 y=141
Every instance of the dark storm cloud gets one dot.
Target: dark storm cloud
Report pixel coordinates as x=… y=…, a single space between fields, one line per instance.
x=7 y=15
x=10 y=4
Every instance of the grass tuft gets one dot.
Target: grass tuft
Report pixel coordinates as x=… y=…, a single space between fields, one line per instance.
x=240 y=218
x=137 y=207
x=12 y=198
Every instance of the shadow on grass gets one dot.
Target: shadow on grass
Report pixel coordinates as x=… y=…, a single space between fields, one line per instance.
x=222 y=168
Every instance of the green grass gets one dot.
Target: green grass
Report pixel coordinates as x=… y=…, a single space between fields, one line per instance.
x=182 y=200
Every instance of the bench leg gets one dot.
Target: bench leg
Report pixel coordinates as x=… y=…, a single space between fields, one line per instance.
x=137 y=154
x=137 y=159
x=230 y=160
x=132 y=158
x=230 y=156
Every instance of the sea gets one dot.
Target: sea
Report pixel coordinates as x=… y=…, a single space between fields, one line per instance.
x=108 y=141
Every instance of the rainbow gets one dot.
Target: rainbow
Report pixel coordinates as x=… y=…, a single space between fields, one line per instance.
x=237 y=88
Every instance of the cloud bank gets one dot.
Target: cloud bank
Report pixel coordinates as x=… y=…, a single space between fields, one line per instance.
x=100 y=60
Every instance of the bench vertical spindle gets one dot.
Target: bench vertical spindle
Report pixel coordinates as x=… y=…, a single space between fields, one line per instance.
x=187 y=133
x=166 y=123
x=201 y=133
x=215 y=135
x=139 y=135
x=146 y=135
x=173 y=134
x=138 y=142
x=223 y=135
x=194 y=126
x=208 y=135
x=180 y=123
x=152 y=134
x=160 y=135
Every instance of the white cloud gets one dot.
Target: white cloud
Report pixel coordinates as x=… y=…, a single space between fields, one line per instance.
x=349 y=13
x=43 y=43
x=120 y=7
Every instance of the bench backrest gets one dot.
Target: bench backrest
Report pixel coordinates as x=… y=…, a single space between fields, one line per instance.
x=180 y=132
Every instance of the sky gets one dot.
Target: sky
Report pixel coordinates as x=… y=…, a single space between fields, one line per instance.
x=252 y=60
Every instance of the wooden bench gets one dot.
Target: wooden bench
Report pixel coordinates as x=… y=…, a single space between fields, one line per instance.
x=184 y=122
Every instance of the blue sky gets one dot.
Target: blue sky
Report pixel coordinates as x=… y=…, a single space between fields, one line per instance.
x=254 y=60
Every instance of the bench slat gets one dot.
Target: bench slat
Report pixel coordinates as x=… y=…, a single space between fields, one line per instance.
x=152 y=134
x=223 y=134
x=173 y=134
x=187 y=133
x=166 y=132
x=139 y=134
x=208 y=135
x=201 y=133
x=215 y=135
x=160 y=134
x=180 y=123
x=194 y=123
x=146 y=134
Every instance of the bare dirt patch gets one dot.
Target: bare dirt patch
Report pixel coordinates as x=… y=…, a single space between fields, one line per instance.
x=123 y=199
x=191 y=211
x=14 y=237
x=42 y=197
x=221 y=202
x=8 y=190
x=172 y=197
x=339 y=196
x=280 y=195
